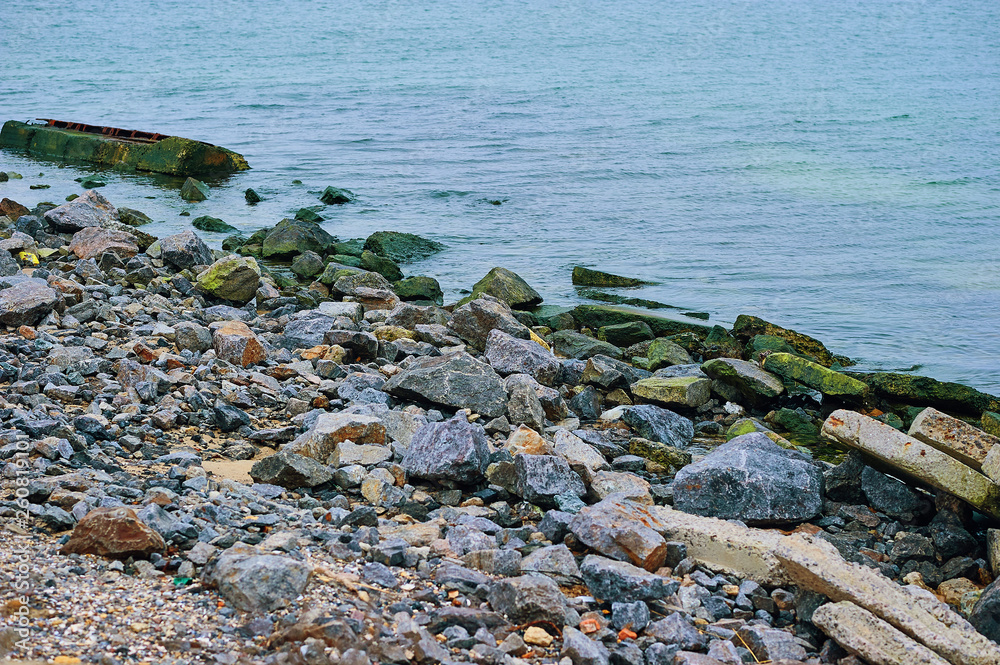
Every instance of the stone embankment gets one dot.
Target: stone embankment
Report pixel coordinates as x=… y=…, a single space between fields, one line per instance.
x=209 y=458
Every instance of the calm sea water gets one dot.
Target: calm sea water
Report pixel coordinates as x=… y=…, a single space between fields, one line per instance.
x=831 y=167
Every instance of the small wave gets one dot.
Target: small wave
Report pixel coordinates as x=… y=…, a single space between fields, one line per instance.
x=905 y=116
x=443 y=194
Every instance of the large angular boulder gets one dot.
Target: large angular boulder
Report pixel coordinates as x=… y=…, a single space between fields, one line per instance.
x=453 y=450
x=252 y=582
x=529 y=598
x=621 y=530
x=402 y=247
x=194 y=190
x=89 y=209
x=507 y=287
x=539 y=479
x=94 y=241
x=572 y=344
x=751 y=382
x=306 y=330
x=113 y=532
x=753 y=480
x=26 y=302
x=456 y=380
x=290 y=471
x=619 y=581
x=659 y=424
x=235 y=343
x=184 y=250
x=474 y=321
x=330 y=429
x=233 y=278
x=410 y=316
x=685 y=391
x=291 y=236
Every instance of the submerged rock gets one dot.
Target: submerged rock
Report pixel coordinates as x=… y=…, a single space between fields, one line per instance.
x=587 y=277
x=194 y=190
x=507 y=287
x=402 y=247
x=291 y=236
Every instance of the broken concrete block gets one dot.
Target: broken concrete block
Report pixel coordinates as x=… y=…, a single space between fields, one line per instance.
x=868 y=637
x=913 y=458
x=723 y=546
x=991 y=465
x=816 y=565
x=953 y=436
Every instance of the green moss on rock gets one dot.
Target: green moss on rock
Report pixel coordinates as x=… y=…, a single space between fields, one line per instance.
x=587 y=277
x=747 y=327
x=661 y=453
x=815 y=376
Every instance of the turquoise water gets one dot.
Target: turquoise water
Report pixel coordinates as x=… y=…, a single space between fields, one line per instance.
x=831 y=167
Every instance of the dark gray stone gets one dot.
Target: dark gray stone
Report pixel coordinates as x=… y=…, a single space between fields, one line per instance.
x=986 y=612
x=677 y=630
x=540 y=478
x=658 y=424
x=529 y=598
x=358 y=344
x=618 y=581
x=308 y=329
x=751 y=479
x=474 y=321
x=26 y=303
x=631 y=615
x=454 y=450
x=290 y=471
x=457 y=380
x=511 y=355
x=257 y=583
x=582 y=650
x=891 y=496
x=185 y=249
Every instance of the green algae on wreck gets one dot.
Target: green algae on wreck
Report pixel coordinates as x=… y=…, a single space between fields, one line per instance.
x=108 y=146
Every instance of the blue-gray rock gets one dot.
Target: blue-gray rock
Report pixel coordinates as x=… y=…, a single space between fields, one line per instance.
x=677 y=630
x=555 y=561
x=659 y=653
x=456 y=380
x=184 y=250
x=378 y=573
x=290 y=471
x=228 y=418
x=986 y=612
x=612 y=581
x=658 y=424
x=511 y=355
x=582 y=650
x=27 y=302
x=474 y=321
x=253 y=582
x=454 y=450
x=529 y=598
x=306 y=330
x=359 y=345
x=891 y=496
x=539 y=479
x=632 y=615
x=751 y=479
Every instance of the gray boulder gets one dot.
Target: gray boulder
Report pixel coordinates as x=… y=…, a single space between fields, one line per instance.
x=186 y=249
x=582 y=650
x=555 y=561
x=455 y=380
x=986 y=612
x=511 y=355
x=26 y=302
x=291 y=236
x=474 y=321
x=529 y=598
x=89 y=209
x=751 y=479
x=306 y=330
x=8 y=266
x=540 y=478
x=619 y=581
x=454 y=450
x=658 y=424
x=410 y=316
x=191 y=336
x=253 y=582
x=572 y=344
x=290 y=471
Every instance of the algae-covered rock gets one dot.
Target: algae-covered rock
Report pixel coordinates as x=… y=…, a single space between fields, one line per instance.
x=587 y=277
x=419 y=288
x=336 y=196
x=688 y=391
x=133 y=217
x=754 y=384
x=747 y=327
x=991 y=423
x=815 y=376
x=507 y=287
x=251 y=196
x=401 y=247
x=661 y=453
x=385 y=267
x=720 y=344
x=307 y=264
x=925 y=391
x=572 y=344
x=194 y=190
x=213 y=224
x=308 y=215
x=554 y=317
x=234 y=278
x=664 y=353
x=625 y=334
x=598 y=316
x=291 y=236
x=762 y=345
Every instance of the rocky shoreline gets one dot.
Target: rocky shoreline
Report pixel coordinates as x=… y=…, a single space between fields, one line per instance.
x=209 y=460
